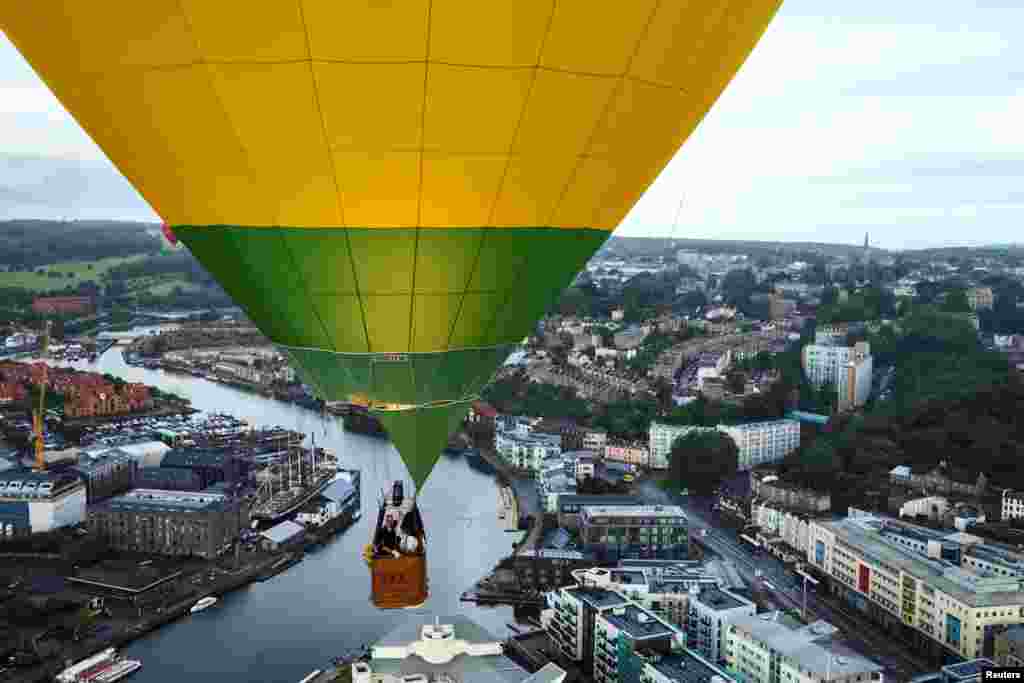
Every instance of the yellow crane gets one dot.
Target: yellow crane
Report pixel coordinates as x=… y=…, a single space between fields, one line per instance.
x=38 y=423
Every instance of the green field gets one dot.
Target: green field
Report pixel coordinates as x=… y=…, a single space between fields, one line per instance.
x=167 y=287
x=78 y=271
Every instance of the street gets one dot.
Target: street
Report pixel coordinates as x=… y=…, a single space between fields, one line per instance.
x=783 y=584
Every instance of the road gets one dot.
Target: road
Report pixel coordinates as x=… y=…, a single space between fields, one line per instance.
x=786 y=587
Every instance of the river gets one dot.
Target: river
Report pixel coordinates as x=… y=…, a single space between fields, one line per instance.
x=282 y=629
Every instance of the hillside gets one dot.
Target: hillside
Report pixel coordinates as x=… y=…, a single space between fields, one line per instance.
x=26 y=245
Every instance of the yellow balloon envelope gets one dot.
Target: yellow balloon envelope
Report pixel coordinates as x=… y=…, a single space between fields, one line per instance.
x=393 y=191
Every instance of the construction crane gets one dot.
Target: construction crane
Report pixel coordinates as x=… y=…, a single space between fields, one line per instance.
x=38 y=423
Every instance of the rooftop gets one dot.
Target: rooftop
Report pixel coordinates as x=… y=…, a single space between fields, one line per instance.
x=810 y=647
x=719 y=600
x=588 y=499
x=970 y=669
x=465 y=668
x=660 y=511
x=598 y=598
x=764 y=424
x=873 y=536
x=685 y=667
x=19 y=483
x=639 y=623
x=194 y=457
x=166 y=501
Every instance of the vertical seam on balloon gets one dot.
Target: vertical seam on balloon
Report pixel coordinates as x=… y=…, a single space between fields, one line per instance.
x=248 y=159
x=305 y=286
x=488 y=226
x=337 y=186
x=206 y=67
x=419 y=199
x=604 y=115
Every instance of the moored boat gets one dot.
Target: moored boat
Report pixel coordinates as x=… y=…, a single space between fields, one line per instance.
x=208 y=601
x=104 y=667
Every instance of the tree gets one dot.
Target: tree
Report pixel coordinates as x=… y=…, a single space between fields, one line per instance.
x=956 y=302
x=736 y=381
x=701 y=459
x=737 y=286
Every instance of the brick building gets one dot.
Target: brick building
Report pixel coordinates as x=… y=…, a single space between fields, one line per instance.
x=62 y=305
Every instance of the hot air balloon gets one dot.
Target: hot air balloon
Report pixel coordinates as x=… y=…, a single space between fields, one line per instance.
x=394 y=192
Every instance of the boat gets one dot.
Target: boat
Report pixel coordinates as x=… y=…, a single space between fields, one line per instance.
x=397 y=554
x=104 y=667
x=208 y=601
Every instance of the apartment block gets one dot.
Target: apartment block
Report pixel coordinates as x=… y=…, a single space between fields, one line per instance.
x=527 y=451
x=776 y=648
x=661 y=438
x=1013 y=505
x=710 y=611
x=765 y=442
x=847 y=368
x=944 y=592
x=641 y=531
x=622 y=635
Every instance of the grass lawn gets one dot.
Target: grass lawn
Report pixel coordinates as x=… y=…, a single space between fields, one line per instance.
x=79 y=271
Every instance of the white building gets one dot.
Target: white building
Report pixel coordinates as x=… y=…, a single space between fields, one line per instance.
x=710 y=611
x=38 y=502
x=594 y=440
x=932 y=507
x=450 y=649
x=757 y=442
x=847 y=368
x=527 y=452
x=340 y=496
x=764 y=442
x=662 y=436
x=950 y=587
x=772 y=647
x=1013 y=504
x=774 y=520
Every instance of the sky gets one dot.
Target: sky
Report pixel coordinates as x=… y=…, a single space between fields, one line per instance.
x=899 y=118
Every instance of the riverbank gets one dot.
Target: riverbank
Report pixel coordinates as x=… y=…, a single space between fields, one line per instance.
x=281 y=629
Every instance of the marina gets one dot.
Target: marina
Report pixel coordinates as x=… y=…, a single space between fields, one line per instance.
x=317 y=605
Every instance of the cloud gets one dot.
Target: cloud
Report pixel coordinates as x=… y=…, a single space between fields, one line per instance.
x=47 y=187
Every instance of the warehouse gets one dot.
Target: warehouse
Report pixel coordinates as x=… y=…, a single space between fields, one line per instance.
x=106 y=472
x=170 y=522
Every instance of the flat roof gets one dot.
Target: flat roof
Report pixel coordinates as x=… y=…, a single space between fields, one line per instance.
x=685 y=667
x=590 y=499
x=465 y=668
x=639 y=623
x=165 y=501
x=666 y=511
x=628 y=576
x=717 y=599
x=970 y=587
x=969 y=669
x=805 y=645
x=598 y=598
